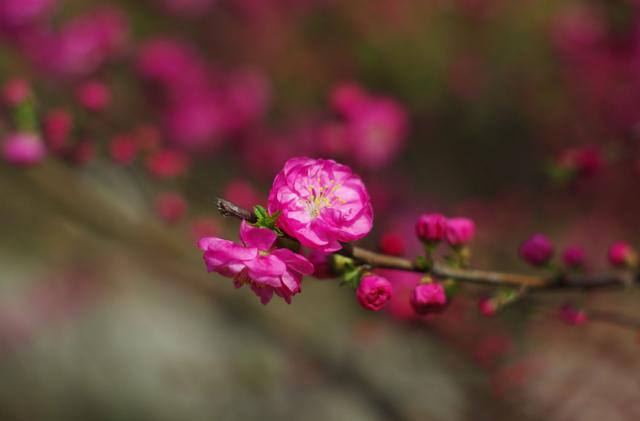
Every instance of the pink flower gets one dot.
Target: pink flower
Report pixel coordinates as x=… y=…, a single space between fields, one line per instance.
x=321 y=202
x=23 y=149
x=573 y=257
x=15 y=91
x=431 y=227
x=377 y=129
x=621 y=254
x=94 y=96
x=537 y=250
x=83 y=44
x=257 y=263
x=374 y=292
x=428 y=298
x=487 y=307
x=170 y=207
x=460 y=231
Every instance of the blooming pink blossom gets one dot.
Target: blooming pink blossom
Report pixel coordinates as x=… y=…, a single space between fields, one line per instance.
x=83 y=43
x=257 y=263
x=431 y=227
x=537 y=250
x=94 y=96
x=23 y=148
x=321 y=202
x=573 y=257
x=15 y=91
x=621 y=254
x=377 y=129
x=170 y=207
x=374 y=292
x=428 y=298
x=460 y=231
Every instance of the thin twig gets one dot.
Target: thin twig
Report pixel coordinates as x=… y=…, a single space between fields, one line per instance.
x=533 y=282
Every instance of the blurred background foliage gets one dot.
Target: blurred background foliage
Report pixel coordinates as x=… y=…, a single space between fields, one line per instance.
x=521 y=115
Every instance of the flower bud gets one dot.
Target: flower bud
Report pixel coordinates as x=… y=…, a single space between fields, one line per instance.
x=460 y=231
x=487 y=306
x=573 y=257
x=23 y=148
x=392 y=243
x=537 y=250
x=170 y=207
x=94 y=96
x=572 y=315
x=621 y=254
x=431 y=228
x=123 y=149
x=374 y=292
x=428 y=298
x=56 y=126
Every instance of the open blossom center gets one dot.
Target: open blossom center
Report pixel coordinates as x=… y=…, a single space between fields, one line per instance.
x=321 y=196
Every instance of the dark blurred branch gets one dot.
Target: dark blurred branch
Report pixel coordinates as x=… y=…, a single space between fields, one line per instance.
x=378 y=260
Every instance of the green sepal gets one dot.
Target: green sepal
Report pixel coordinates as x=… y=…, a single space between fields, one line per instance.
x=24 y=116
x=265 y=220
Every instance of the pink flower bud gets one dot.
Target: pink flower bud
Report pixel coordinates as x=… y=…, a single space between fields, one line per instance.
x=15 y=91
x=170 y=207
x=431 y=227
x=487 y=307
x=572 y=315
x=123 y=149
x=573 y=257
x=167 y=163
x=460 y=231
x=428 y=298
x=56 y=127
x=537 y=250
x=23 y=149
x=392 y=243
x=94 y=96
x=621 y=254
x=374 y=292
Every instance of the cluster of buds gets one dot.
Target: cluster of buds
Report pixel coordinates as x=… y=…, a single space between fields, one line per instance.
x=538 y=250
x=434 y=228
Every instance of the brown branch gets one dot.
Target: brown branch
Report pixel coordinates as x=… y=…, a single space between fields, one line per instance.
x=378 y=260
